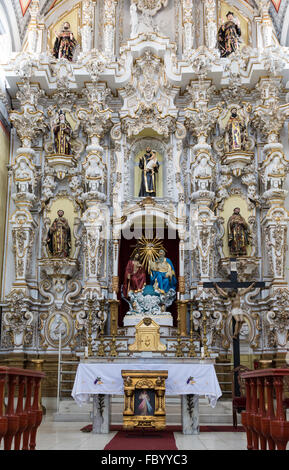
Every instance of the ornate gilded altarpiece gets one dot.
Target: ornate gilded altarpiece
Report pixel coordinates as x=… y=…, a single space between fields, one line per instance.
x=145 y=73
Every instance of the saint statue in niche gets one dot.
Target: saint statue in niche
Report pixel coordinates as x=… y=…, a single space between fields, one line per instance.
x=162 y=274
x=65 y=43
x=149 y=165
x=238 y=234
x=62 y=132
x=228 y=35
x=235 y=133
x=59 y=237
x=24 y=177
x=134 y=277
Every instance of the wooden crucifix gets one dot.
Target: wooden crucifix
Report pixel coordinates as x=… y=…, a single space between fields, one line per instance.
x=239 y=290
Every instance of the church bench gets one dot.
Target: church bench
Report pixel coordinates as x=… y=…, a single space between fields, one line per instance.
x=20 y=422
x=265 y=418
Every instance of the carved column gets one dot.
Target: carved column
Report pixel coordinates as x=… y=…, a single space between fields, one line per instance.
x=87 y=25
x=188 y=26
x=266 y=22
x=200 y=122
x=269 y=118
x=109 y=26
x=29 y=123
x=33 y=30
x=93 y=221
x=96 y=218
x=210 y=23
x=117 y=137
x=23 y=232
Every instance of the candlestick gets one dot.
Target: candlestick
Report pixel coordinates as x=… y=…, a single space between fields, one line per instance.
x=192 y=351
x=89 y=329
x=205 y=339
x=101 y=346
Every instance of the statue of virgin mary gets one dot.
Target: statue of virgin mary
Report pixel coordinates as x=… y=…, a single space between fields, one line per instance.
x=162 y=274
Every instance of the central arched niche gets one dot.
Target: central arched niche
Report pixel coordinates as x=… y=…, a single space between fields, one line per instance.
x=151 y=227
x=137 y=149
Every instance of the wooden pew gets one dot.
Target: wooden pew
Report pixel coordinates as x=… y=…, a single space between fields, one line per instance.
x=20 y=422
x=265 y=418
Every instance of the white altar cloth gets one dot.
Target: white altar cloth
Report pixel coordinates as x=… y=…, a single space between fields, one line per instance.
x=183 y=379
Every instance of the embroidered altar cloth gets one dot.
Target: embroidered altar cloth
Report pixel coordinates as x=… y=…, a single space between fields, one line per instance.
x=183 y=379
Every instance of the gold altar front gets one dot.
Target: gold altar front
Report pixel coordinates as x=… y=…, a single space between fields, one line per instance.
x=140 y=388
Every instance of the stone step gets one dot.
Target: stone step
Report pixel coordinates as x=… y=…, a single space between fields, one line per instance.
x=221 y=414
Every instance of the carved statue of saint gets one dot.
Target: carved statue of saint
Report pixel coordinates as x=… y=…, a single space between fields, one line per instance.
x=149 y=165
x=202 y=174
x=62 y=134
x=162 y=274
x=94 y=174
x=59 y=237
x=228 y=35
x=238 y=234
x=134 y=277
x=65 y=43
x=133 y=20
x=275 y=174
x=235 y=133
x=236 y=310
x=24 y=177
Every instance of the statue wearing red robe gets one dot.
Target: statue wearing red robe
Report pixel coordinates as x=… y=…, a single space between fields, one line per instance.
x=134 y=277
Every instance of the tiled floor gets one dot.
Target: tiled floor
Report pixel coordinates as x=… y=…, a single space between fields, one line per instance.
x=67 y=436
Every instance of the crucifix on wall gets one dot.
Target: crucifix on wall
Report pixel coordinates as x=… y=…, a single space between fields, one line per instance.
x=239 y=290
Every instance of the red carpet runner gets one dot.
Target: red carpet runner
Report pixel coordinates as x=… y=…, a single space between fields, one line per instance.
x=123 y=440
x=210 y=428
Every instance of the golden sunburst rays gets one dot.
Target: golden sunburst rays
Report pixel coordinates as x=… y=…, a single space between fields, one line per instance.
x=148 y=249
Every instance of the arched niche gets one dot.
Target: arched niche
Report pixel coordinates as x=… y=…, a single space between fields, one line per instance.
x=136 y=151
x=229 y=206
x=71 y=213
x=59 y=14
x=154 y=224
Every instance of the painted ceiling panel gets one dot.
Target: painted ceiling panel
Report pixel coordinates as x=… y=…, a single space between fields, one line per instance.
x=24 y=5
x=276 y=4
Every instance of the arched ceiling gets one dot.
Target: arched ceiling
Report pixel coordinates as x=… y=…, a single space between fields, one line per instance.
x=18 y=18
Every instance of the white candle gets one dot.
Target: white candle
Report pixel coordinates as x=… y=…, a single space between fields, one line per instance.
x=202 y=352
x=86 y=351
